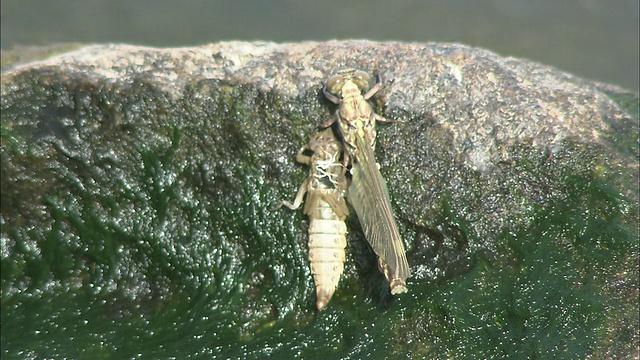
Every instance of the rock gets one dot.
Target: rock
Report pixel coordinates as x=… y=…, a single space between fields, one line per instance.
x=140 y=182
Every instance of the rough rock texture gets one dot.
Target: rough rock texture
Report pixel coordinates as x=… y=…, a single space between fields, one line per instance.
x=139 y=186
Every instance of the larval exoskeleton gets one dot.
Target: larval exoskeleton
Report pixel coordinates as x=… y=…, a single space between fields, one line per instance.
x=326 y=208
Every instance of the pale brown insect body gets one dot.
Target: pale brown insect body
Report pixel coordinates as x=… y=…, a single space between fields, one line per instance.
x=326 y=209
x=368 y=192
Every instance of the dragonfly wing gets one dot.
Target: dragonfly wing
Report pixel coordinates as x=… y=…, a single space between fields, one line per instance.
x=369 y=197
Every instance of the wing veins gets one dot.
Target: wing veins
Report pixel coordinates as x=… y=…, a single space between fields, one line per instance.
x=370 y=198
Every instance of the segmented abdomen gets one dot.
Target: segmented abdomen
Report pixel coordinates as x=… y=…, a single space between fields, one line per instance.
x=326 y=208
x=327 y=242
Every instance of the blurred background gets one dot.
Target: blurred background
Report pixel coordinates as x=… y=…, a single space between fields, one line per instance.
x=594 y=39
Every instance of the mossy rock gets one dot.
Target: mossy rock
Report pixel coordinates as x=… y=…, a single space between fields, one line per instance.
x=139 y=189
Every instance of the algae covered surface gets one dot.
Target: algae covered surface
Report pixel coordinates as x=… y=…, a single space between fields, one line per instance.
x=139 y=224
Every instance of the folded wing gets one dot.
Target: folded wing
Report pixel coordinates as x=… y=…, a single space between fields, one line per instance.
x=369 y=197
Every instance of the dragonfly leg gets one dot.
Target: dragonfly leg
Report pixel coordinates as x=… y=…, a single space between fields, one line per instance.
x=298 y=200
x=374 y=89
x=334 y=99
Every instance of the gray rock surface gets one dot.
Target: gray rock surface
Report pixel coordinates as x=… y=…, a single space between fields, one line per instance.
x=124 y=168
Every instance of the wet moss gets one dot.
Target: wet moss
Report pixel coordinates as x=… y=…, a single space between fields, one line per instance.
x=136 y=221
x=554 y=296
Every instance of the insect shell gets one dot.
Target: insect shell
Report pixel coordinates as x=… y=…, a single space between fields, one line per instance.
x=326 y=208
x=368 y=192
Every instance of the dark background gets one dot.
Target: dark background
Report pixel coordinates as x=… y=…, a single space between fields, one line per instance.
x=594 y=39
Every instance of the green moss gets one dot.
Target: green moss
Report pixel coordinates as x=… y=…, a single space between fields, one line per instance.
x=555 y=296
x=149 y=226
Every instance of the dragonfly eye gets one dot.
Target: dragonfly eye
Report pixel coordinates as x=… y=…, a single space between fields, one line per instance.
x=334 y=84
x=361 y=79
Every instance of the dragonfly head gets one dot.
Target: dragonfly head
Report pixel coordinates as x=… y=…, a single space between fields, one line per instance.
x=345 y=82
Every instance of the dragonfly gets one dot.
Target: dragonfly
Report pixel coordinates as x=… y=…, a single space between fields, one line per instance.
x=368 y=193
x=325 y=205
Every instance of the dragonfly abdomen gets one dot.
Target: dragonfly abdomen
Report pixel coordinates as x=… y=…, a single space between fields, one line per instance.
x=327 y=242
